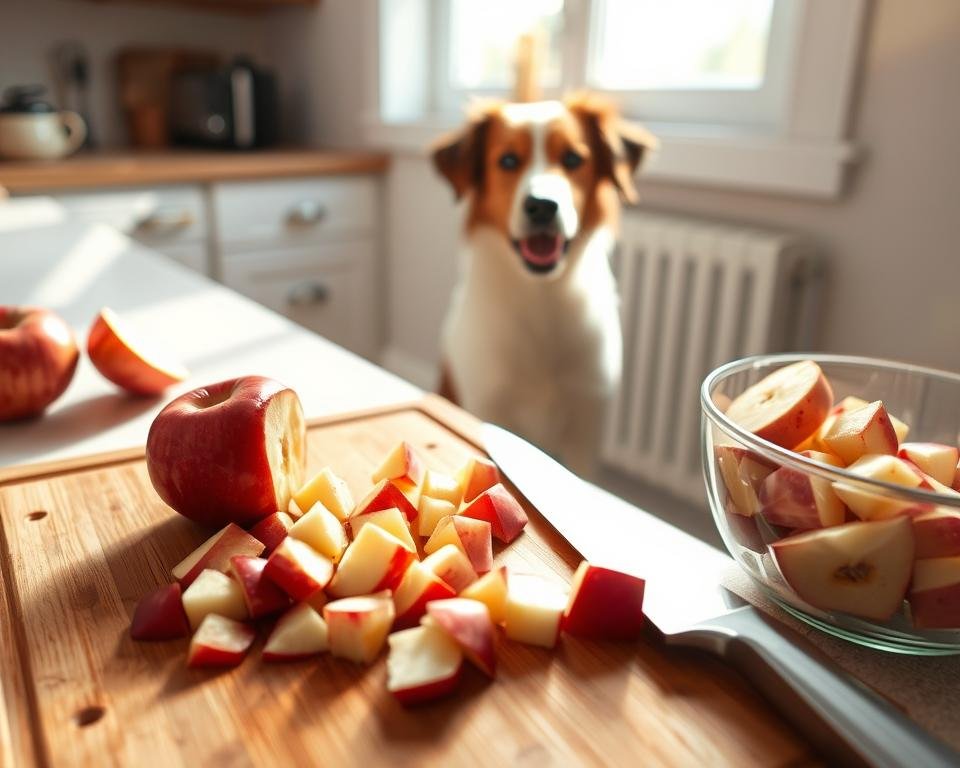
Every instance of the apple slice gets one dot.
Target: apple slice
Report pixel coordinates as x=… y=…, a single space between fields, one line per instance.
x=419 y=586
x=430 y=512
x=129 y=362
x=451 y=565
x=938 y=461
x=476 y=476
x=795 y=499
x=328 y=489
x=851 y=403
x=470 y=536
x=376 y=560
x=383 y=496
x=300 y=633
x=219 y=642
x=956 y=479
x=160 y=615
x=298 y=569
x=872 y=506
x=215 y=553
x=402 y=466
x=321 y=529
x=213 y=592
x=859 y=568
x=604 y=604
x=935 y=593
x=272 y=530
x=437 y=485
x=785 y=407
x=357 y=626
x=742 y=472
x=468 y=623
x=391 y=520
x=937 y=533
x=262 y=596
x=534 y=609
x=424 y=664
x=498 y=507
x=863 y=431
x=491 y=590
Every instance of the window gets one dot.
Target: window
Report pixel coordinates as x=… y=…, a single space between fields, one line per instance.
x=748 y=78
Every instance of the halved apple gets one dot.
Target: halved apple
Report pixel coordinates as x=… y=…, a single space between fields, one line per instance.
x=937 y=460
x=491 y=590
x=498 y=507
x=298 y=569
x=792 y=498
x=129 y=362
x=470 y=536
x=402 y=466
x=937 y=533
x=477 y=475
x=391 y=520
x=300 y=633
x=863 y=431
x=272 y=530
x=374 y=561
x=424 y=664
x=534 y=610
x=604 y=604
x=219 y=642
x=419 y=586
x=935 y=593
x=213 y=592
x=262 y=596
x=785 y=407
x=859 y=568
x=160 y=615
x=328 y=489
x=383 y=496
x=468 y=623
x=357 y=627
x=868 y=505
x=451 y=565
x=430 y=512
x=321 y=529
x=215 y=553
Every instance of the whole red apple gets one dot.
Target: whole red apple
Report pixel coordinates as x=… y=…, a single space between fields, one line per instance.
x=38 y=356
x=229 y=452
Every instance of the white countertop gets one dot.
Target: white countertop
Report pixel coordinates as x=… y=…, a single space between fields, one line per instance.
x=77 y=269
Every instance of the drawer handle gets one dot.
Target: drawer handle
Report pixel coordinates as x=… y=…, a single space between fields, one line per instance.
x=306 y=213
x=164 y=222
x=308 y=294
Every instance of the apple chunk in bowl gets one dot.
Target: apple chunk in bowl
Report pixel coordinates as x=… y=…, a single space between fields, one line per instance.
x=825 y=475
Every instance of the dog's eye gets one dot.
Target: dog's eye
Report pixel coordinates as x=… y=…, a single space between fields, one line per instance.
x=509 y=161
x=571 y=160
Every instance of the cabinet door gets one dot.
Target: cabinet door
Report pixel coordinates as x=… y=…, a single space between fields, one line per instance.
x=329 y=289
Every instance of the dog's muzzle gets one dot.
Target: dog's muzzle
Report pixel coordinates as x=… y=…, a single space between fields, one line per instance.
x=543 y=246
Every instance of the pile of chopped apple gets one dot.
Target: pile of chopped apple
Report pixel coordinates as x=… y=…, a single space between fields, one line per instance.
x=839 y=545
x=329 y=575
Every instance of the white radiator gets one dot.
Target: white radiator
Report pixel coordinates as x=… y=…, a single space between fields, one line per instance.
x=695 y=295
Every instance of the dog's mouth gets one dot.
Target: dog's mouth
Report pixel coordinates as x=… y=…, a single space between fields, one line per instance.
x=542 y=251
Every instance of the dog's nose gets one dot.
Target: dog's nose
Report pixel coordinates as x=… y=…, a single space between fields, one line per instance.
x=540 y=210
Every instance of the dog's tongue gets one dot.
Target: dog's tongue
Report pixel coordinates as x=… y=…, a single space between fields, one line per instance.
x=541 y=249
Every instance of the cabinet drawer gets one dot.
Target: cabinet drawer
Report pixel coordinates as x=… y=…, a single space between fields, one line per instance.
x=328 y=289
x=152 y=216
x=294 y=211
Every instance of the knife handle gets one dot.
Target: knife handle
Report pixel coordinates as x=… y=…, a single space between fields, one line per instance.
x=812 y=692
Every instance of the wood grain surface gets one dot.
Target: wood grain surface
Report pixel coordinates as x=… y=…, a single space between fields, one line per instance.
x=81 y=547
x=179 y=166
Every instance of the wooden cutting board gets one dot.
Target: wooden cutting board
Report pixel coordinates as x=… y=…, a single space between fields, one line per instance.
x=80 y=546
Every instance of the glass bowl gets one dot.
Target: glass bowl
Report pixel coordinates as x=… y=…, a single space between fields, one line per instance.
x=927 y=400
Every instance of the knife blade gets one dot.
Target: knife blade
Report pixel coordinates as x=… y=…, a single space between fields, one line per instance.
x=685 y=600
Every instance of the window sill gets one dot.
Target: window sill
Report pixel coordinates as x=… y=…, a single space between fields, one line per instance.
x=813 y=169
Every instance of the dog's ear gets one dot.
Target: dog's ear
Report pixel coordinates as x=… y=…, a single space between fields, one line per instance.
x=459 y=156
x=618 y=146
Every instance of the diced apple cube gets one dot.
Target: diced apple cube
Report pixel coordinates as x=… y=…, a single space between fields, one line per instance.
x=298 y=569
x=391 y=520
x=868 y=505
x=215 y=553
x=261 y=595
x=160 y=615
x=272 y=530
x=374 y=561
x=498 y=507
x=323 y=531
x=534 y=609
x=604 y=604
x=385 y=495
x=792 y=498
x=938 y=461
x=437 y=485
x=419 y=586
x=491 y=590
x=863 y=431
x=402 y=466
x=742 y=472
x=424 y=664
x=219 y=642
x=935 y=593
x=301 y=632
x=470 y=536
x=358 y=626
x=329 y=490
x=476 y=476
x=468 y=623
x=430 y=512
x=213 y=592
x=937 y=533
x=451 y=565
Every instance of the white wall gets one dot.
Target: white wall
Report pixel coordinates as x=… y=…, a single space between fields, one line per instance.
x=30 y=28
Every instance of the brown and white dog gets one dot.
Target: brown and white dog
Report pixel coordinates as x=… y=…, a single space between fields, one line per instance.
x=532 y=339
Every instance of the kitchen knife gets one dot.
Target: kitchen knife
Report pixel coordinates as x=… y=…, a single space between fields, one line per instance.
x=685 y=600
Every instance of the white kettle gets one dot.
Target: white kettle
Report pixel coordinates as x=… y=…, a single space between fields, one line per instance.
x=31 y=129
